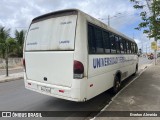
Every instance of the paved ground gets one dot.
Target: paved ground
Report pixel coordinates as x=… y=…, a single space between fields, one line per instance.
x=14 y=74
x=11 y=77
x=11 y=70
x=143 y=94
x=144 y=60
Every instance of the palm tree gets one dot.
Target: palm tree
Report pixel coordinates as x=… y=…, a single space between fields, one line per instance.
x=12 y=49
x=19 y=36
x=4 y=36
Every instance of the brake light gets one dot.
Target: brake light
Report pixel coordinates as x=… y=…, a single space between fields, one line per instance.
x=78 y=70
x=62 y=91
x=29 y=83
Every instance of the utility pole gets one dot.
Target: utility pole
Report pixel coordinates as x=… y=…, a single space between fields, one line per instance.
x=155 y=38
x=111 y=17
x=108 y=20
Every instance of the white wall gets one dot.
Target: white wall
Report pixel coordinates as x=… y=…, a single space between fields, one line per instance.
x=12 y=62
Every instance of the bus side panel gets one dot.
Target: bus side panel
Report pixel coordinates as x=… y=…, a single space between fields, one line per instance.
x=101 y=77
x=81 y=53
x=130 y=64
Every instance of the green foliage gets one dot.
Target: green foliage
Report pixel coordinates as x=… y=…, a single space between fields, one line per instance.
x=150 y=23
x=4 y=35
x=13 y=46
x=19 y=36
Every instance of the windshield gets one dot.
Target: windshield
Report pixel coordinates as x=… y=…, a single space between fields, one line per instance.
x=52 y=34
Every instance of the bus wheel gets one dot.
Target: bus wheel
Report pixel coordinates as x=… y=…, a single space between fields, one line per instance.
x=117 y=85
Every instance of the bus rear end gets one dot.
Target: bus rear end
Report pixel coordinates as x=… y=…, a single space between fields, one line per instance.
x=50 y=67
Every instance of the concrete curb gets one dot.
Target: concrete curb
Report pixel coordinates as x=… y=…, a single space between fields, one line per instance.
x=15 y=68
x=11 y=79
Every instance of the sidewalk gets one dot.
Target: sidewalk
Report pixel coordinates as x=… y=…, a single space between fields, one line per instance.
x=11 y=77
x=14 y=68
x=143 y=94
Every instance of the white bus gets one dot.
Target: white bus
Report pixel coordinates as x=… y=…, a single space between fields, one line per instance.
x=71 y=55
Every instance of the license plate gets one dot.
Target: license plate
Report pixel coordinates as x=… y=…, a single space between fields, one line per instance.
x=45 y=89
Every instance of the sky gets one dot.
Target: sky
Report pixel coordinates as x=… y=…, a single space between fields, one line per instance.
x=17 y=14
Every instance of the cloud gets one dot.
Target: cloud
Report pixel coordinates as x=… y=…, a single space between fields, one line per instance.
x=144 y=43
x=18 y=14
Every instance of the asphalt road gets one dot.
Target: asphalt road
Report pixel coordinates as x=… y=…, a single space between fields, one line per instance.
x=14 y=97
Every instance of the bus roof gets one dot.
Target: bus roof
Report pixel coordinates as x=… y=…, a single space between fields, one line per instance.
x=75 y=11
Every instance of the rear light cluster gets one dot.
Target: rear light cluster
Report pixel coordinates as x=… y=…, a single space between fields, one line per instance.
x=78 y=70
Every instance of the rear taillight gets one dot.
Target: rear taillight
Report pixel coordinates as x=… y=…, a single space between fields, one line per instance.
x=24 y=64
x=78 y=70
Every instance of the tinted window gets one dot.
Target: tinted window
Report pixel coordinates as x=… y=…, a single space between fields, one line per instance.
x=113 y=43
x=99 y=40
x=132 y=47
x=121 y=45
x=117 y=44
x=129 y=47
x=125 y=45
x=106 y=42
x=102 y=41
x=136 y=49
x=91 y=39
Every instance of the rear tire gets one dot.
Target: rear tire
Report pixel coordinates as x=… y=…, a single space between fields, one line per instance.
x=117 y=85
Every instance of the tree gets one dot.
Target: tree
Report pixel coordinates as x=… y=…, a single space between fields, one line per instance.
x=20 y=36
x=4 y=44
x=4 y=35
x=12 y=47
x=150 y=23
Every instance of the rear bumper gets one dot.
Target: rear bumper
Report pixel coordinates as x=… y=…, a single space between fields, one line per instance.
x=67 y=94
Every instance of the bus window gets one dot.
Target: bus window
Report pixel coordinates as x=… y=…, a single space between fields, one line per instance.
x=91 y=40
x=117 y=44
x=125 y=46
x=121 y=45
x=132 y=48
x=106 y=41
x=136 y=50
x=99 y=40
x=129 y=47
x=113 y=43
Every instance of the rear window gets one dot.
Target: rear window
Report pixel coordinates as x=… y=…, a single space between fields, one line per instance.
x=56 y=33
